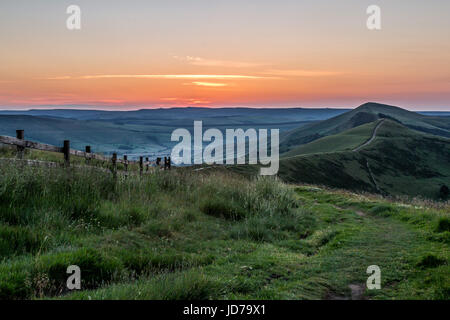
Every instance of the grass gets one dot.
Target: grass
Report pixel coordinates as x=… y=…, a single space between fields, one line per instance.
x=10 y=153
x=344 y=141
x=210 y=235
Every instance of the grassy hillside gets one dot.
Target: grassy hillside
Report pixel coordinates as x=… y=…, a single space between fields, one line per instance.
x=406 y=162
x=400 y=161
x=344 y=141
x=366 y=113
x=203 y=235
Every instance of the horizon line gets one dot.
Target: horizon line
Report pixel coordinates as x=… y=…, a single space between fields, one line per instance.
x=87 y=107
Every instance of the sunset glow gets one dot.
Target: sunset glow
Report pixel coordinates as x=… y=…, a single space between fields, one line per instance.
x=137 y=54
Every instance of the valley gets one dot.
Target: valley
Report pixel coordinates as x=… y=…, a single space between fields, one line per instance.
x=374 y=148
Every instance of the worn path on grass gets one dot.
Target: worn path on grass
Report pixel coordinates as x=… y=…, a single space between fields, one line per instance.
x=377 y=241
x=365 y=239
x=374 y=135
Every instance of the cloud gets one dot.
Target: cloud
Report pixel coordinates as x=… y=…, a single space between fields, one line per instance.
x=186 y=101
x=300 y=73
x=197 y=61
x=163 y=76
x=209 y=84
x=199 y=101
x=58 y=78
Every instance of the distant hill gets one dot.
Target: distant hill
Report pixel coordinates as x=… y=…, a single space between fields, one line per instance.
x=246 y=115
x=399 y=161
x=365 y=113
x=102 y=136
x=147 y=131
x=409 y=155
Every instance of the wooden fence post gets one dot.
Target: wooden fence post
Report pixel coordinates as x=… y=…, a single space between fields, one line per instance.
x=20 y=134
x=146 y=164
x=141 y=165
x=66 y=151
x=158 y=163
x=88 y=154
x=114 y=164
x=169 y=163
x=125 y=163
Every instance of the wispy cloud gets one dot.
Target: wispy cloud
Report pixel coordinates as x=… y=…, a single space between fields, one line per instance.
x=163 y=76
x=209 y=84
x=186 y=101
x=197 y=61
x=300 y=73
x=57 y=78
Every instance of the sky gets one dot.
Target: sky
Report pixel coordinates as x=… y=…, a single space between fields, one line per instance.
x=137 y=54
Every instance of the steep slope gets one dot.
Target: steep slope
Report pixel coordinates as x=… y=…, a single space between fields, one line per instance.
x=399 y=161
x=365 y=113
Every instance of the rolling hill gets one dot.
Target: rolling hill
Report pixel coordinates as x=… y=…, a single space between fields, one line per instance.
x=366 y=113
x=344 y=141
x=399 y=161
x=243 y=115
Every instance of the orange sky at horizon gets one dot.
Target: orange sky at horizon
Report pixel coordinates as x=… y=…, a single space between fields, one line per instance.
x=266 y=54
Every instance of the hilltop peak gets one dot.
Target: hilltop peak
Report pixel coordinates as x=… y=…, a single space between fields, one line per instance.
x=381 y=110
x=376 y=105
x=365 y=113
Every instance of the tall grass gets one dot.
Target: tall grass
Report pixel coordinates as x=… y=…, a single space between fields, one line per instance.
x=195 y=235
x=53 y=217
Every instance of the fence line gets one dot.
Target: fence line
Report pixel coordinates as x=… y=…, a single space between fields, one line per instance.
x=22 y=144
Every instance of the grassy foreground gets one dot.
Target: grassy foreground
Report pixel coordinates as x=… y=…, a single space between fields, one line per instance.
x=211 y=235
